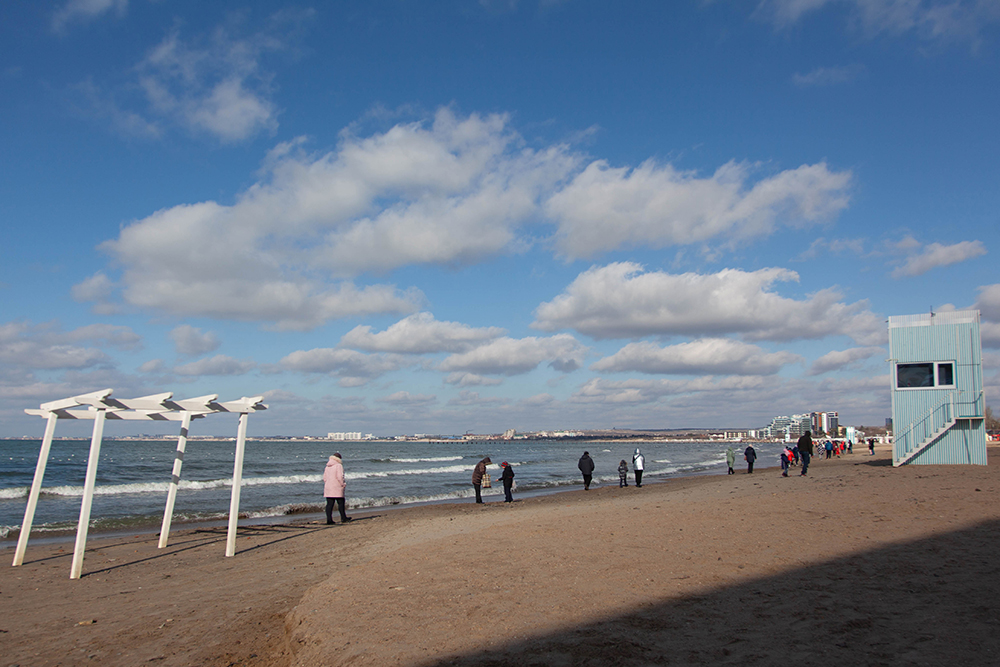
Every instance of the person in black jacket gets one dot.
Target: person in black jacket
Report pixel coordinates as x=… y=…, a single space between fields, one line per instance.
x=586 y=466
x=750 y=454
x=507 y=477
x=805 y=447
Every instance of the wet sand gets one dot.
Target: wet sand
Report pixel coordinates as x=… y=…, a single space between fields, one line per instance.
x=857 y=563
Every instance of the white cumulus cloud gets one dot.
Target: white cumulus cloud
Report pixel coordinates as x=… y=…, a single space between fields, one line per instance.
x=936 y=255
x=354 y=368
x=837 y=359
x=190 y=340
x=46 y=347
x=216 y=88
x=220 y=364
x=929 y=19
x=514 y=356
x=447 y=191
x=419 y=334
x=622 y=300
x=988 y=302
x=829 y=76
x=460 y=379
x=405 y=398
x=707 y=356
x=657 y=205
x=85 y=10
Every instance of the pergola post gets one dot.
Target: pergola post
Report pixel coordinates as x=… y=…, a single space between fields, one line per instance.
x=234 y=501
x=36 y=487
x=175 y=479
x=88 y=495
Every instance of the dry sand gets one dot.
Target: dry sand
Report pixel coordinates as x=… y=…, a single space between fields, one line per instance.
x=859 y=563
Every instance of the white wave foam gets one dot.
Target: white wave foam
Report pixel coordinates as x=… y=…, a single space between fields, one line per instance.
x=161 y=487
x=413 y=471
x=431 y=459
x=195 y=485
x=13 y=492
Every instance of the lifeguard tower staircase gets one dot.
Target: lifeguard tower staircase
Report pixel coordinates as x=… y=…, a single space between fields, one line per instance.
x=937 y=389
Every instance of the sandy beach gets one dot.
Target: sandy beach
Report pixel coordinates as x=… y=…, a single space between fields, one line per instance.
x=858 y=563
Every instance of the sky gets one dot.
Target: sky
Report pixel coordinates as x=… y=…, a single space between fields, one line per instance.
x=451 y=216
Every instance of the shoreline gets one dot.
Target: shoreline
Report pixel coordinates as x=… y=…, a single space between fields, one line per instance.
x=612 y=573
x=152 y=526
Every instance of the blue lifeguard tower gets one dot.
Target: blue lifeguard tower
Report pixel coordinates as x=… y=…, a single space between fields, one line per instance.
x=937 y=389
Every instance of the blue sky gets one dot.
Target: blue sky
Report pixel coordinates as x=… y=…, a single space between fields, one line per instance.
x=440 y=217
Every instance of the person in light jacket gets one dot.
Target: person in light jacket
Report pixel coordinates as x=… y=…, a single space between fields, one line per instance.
x=731 y=460
x=333 y=488
x=638 y=463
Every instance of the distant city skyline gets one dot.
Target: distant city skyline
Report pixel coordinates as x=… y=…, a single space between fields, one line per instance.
x=401 y=217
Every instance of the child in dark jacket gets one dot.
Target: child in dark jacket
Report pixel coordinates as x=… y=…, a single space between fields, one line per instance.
x=622 y=474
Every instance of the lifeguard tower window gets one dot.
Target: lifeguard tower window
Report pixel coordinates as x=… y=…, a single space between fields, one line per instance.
x=925 y=376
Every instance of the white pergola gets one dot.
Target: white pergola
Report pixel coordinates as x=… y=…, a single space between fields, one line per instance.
x=99 y=406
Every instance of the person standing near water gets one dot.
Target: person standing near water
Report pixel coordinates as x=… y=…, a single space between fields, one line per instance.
x=622 y=474
x=586 y=466
x=477 y=477
x=507 y=477
x=805 y=446
x=333 y=488
x=750 y=454
x=638 y=463
x=731 y=459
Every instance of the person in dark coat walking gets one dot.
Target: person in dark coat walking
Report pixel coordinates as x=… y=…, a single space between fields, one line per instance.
x=750 y=454
x=507 y=477
x=477 y=477
x=805 y=446
x=586 y=466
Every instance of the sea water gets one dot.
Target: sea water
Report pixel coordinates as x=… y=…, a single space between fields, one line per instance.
x=282 y=477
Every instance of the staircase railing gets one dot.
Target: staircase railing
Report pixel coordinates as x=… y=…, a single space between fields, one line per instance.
x=937 y=419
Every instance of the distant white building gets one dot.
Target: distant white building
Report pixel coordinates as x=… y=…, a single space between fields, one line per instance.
x=344 y=436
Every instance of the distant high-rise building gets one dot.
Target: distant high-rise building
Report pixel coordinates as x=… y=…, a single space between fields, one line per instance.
x=824 y=422
x=831 y=423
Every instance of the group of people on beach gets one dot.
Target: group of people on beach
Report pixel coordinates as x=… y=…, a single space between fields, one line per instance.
x=481 y=478
x=586 y=466
x=801 y=451
x=334 y=484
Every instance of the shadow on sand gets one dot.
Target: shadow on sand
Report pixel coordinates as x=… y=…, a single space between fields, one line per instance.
x=934 y=601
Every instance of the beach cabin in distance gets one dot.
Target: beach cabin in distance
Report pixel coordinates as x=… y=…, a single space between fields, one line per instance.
x=937 y=389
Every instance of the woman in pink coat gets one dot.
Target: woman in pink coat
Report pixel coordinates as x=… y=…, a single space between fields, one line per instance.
x=333 y=488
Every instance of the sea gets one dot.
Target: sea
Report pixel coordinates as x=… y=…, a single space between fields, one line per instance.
x=285 y=477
